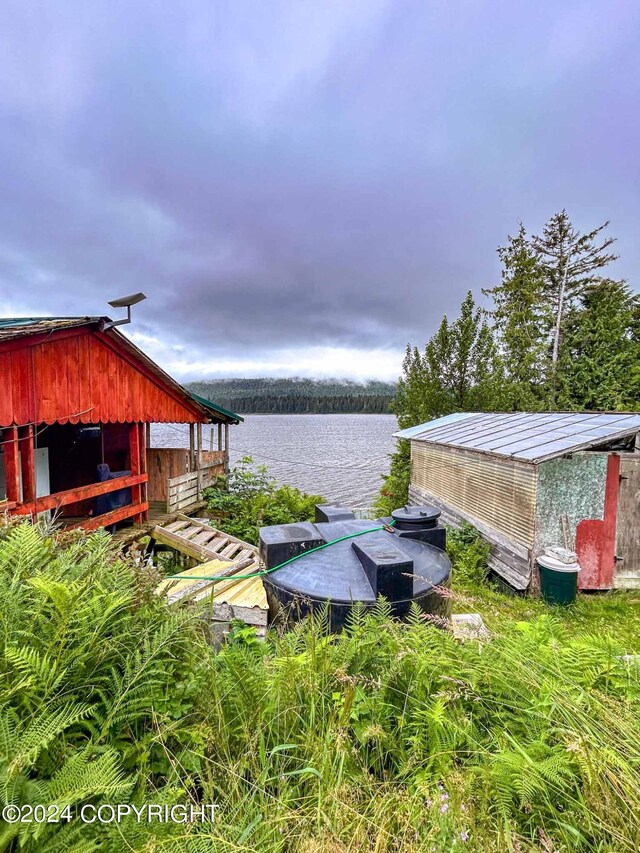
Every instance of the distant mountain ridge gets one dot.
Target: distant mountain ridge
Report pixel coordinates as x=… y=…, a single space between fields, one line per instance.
x=297 y=395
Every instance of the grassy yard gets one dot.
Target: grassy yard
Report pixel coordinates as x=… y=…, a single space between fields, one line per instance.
x=388 y=737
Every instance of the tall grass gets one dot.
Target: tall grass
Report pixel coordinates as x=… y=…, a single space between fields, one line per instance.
x=395 y=737
x=386 y=737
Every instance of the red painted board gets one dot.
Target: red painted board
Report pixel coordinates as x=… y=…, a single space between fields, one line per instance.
x=596 y=538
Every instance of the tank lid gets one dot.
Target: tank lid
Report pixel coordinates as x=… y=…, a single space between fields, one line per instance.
x=416 y=514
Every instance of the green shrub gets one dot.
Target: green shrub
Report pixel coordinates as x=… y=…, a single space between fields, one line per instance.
x=247 y=499
x=394 y=492
x=468 y=553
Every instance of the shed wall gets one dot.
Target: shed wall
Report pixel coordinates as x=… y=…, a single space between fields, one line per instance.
x=498 y=493
x=627 y=545
x=576 y=509
x=507 y=559
x=571 y=488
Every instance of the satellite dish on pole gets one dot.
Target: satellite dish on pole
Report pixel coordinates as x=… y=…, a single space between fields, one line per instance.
x=123 y=302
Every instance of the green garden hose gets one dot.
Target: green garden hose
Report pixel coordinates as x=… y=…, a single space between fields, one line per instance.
x=280 y=565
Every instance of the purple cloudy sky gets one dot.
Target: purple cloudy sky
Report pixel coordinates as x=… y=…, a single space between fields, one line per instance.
x=301 y=187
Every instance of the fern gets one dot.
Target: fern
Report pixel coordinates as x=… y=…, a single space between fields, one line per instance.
x=27 y=741
x=371 y=739
x=83 y=776
x=24 y=552
x=40 y=672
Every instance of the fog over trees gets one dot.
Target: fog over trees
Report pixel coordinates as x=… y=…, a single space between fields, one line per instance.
x=297 y=395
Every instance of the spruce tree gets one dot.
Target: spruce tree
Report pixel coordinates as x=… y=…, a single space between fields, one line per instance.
x=522 y=322
x=599 y=367
x=570 y=262
x=458 y=370
x=475 y=372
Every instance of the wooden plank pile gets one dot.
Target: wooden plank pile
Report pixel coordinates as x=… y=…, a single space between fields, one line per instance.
x=219 y=555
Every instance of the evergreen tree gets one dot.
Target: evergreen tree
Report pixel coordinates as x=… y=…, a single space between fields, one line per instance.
x=522 y=321
x=459 y=370
x=599 y=367
x=464 y=355
x=570 y=261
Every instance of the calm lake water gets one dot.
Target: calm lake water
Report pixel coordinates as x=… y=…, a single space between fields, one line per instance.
x=340 y=457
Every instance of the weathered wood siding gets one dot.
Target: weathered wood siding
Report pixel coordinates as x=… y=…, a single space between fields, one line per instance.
x=169 y=463
x=163 y=464
x=500 y=494
x=83 y=376
x=627 y=547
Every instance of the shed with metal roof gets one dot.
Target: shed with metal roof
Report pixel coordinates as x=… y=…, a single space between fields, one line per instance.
x=531 y=480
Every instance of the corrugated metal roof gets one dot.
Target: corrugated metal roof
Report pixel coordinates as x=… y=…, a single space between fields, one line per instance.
x=447 y=419
x=215 y=408
x=528 y=436
x=17 y=327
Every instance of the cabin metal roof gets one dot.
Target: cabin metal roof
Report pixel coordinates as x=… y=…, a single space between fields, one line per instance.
x=214 y=407
x=527 y=436
x=18 y=327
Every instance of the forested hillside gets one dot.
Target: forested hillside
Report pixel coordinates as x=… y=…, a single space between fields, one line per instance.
x=297 y=396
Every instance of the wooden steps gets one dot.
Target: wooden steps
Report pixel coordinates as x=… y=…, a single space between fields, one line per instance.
x=219 y=555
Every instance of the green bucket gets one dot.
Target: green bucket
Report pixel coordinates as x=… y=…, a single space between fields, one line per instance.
x=558 y=579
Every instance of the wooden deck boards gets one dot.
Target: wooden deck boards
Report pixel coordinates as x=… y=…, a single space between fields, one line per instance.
x=218 y=554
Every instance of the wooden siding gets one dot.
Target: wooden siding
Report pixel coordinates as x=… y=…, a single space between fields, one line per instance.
x=627 y=546
x=498 y=493
x=82 y=376
x=167 y=463
x=163 y=464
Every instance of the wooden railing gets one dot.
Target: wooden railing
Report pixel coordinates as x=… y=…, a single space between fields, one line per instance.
x=187 y=489
x=81 y=493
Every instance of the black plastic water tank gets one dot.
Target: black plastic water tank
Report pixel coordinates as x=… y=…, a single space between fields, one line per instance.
x=422 y=523
x=326 y=512
x=367 y=563
x=409 y=517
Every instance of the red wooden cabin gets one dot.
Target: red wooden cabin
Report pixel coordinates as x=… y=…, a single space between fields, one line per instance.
x=77 y=399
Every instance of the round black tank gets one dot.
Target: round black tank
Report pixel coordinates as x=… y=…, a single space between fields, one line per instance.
x=367 y=564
